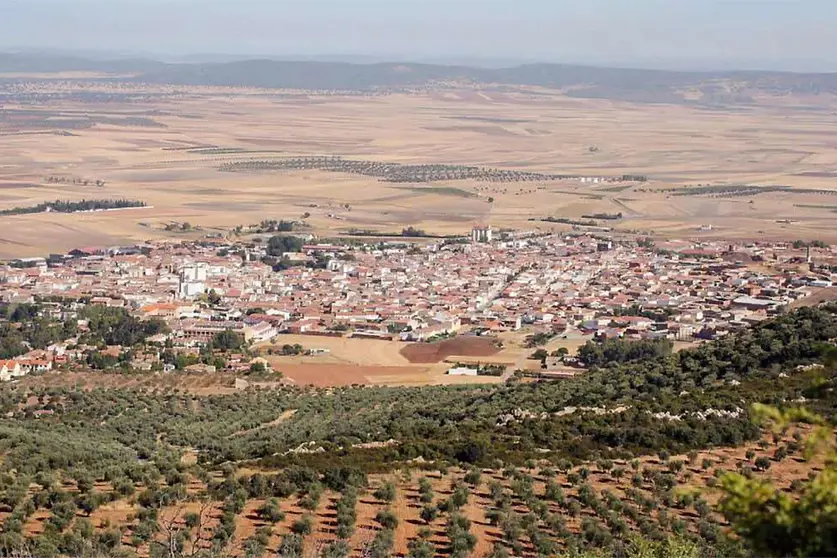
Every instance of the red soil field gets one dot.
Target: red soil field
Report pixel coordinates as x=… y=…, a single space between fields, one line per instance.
x=458 y=346
x=407 y=505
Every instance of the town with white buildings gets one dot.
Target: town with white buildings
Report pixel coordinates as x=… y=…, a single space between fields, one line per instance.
x=570 y=283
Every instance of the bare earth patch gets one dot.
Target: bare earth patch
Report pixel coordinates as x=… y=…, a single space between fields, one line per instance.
x=325 y=375
x=459 y=346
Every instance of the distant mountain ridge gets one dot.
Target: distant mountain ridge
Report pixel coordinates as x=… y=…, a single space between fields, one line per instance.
x=585 y=81
x=50 y=63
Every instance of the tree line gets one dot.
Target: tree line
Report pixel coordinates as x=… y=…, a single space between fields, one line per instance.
x=66 y=206
x=633 y=401
x=399 y=173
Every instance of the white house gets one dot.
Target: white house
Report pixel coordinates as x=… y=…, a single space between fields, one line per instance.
x=35 y=365
x=463 y=371
x=261 y=331
x=10 y=369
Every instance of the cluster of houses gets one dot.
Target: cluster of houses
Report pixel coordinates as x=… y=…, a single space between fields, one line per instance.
x=34 y=361
x=550 y=283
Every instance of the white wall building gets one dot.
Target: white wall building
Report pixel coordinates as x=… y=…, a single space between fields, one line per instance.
x=262 y=331
x=482 y=233
x=192 y=280
x=194 y=272
x=9 y=370
x=463 y=371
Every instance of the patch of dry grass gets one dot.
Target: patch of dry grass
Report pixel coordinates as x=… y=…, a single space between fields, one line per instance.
x=547 y=132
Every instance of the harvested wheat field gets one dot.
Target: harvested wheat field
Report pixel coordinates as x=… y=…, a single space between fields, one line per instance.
x=203 y=155
x=341 y=350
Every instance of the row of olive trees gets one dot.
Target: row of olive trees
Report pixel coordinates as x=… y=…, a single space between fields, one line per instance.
x=393 y=172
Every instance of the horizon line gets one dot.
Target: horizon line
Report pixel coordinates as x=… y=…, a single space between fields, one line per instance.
x=685 y=65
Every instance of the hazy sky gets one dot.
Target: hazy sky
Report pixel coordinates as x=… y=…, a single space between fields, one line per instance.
x=796 y=34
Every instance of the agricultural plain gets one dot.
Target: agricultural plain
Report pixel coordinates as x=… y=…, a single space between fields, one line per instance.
x=764 y=170
x=351 y=444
